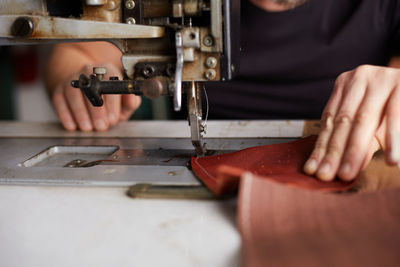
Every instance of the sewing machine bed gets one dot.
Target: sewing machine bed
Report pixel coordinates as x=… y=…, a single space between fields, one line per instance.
x=132 y=153
x=107 y=161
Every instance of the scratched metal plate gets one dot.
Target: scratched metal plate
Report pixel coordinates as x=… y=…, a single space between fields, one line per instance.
x=107 y=161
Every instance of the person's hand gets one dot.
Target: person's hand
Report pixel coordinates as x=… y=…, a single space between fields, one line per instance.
x=75 y=111
x=361 y=116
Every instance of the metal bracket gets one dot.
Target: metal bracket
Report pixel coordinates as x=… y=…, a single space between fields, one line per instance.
x=178 y=72
x=42 y=28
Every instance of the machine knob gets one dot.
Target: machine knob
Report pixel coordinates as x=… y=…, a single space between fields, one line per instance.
x=154 y=87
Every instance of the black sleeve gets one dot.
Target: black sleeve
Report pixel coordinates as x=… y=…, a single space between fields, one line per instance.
x=395 y=27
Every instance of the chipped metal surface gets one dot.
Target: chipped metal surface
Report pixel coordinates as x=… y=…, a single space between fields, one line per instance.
x=158 y=161
x=61 y=28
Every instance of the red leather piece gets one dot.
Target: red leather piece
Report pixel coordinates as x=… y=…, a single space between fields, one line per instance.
x=279 y=162
x=285 y=226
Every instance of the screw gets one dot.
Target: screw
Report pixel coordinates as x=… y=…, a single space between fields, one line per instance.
x=148 y=71
x=99 y=72
x=130 y=4
x=170 y=70
x=210 y=74
x=130 y=20
x=208 y=40
x=211 y=62
x=22 y=27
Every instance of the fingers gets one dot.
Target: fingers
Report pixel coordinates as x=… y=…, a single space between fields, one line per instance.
x=393 y=125
x=77 y=106
x=365 y=124
x=351 y=119
x=327 y=125
x=112 y=103
x=75 y=111
x=352 y=95
x=319 y=151
x=113 y=107
x=373 y=147
x=63 y=111
x=98 y=115
x=129 y=104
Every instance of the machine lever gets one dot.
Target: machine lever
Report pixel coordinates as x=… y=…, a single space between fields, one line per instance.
x=178 y=71
x=93 y=87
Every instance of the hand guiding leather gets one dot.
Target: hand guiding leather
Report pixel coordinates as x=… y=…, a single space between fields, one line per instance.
x=361 y=116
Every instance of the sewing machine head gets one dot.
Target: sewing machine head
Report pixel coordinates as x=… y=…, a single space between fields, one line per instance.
x=165 y=43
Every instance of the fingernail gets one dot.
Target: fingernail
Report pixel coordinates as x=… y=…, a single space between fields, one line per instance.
x=112 y=117
x=311 y=166
x=395 y=149
x=345 y=169
x=100 y=125
x=86 y=126
x=70 y=125
x=323 y=171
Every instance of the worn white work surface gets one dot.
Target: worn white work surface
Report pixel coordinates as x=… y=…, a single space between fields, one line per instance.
x=93 y=226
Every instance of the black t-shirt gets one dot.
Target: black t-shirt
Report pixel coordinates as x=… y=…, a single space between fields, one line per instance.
x=290 y=60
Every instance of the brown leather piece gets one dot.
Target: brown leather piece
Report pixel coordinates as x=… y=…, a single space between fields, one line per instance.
x=286 y=226
x=282 y=163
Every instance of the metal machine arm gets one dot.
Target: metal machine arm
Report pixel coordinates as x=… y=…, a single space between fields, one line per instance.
x=164 y=43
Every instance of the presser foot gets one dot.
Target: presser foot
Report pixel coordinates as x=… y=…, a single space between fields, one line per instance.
x=195 y=118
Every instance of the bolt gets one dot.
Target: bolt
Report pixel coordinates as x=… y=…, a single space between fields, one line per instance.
x=99 y=72
x=210 y=74
x=22 y=27
x=130 y=20
x=148 y=71
x=130 y=4
x=211 y=62
x=208 y=40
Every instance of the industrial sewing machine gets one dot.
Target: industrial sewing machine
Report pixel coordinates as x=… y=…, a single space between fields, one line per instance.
x=169 y=47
